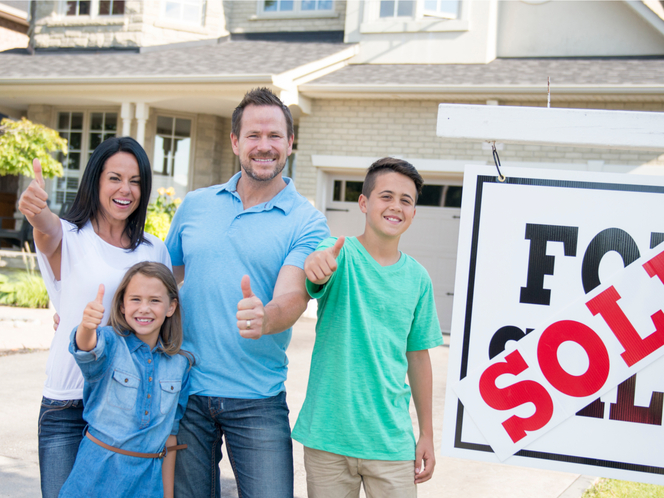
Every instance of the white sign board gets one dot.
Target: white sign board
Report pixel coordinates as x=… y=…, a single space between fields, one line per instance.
x=557 y=330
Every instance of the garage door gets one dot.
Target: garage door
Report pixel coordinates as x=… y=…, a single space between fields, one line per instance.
x=431 y=239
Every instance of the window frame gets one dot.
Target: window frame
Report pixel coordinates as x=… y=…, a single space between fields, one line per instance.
x=153 y=139
x=94 y=10
x=84 y=151
x=181 y=21
x=422 y=21
x=296 y=13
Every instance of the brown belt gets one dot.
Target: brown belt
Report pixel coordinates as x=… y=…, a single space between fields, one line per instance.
x=162 y=454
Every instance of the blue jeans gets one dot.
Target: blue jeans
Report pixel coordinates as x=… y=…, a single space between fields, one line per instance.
x=258 y=442
x=61 y=427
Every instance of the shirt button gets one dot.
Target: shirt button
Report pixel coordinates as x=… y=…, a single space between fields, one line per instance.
x=149 y=379
x=149 y=396
x=126 y=380
x=146 y=412
x=149 y=361
x=171 y=388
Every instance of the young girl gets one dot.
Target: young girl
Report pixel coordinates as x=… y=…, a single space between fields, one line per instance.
x=135 y=391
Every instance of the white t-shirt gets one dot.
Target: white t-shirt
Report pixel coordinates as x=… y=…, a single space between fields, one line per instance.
x=87 y=261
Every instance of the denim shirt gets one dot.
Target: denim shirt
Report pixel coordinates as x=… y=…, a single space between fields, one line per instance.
x=134 y=398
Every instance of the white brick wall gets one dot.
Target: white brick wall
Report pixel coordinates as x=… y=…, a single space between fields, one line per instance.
x=141 y=26
x=407 y=128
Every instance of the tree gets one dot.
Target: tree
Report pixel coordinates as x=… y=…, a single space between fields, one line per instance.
x=22 y=141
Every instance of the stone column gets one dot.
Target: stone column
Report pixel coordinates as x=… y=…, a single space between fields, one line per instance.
x=142 y=115
x=126 y=111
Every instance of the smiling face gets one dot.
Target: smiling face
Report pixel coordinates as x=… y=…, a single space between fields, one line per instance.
x=145 y=307
x=263 y=145
x=390 y=207
x=119 y=187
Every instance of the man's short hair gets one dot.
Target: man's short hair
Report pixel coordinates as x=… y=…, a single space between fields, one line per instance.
x=260 y=96
x=388 y=165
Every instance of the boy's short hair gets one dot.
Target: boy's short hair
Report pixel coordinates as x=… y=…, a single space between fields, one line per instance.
x=260 y=97
x=388 y=165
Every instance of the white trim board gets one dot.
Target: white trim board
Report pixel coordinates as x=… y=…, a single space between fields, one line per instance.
x=555 y=126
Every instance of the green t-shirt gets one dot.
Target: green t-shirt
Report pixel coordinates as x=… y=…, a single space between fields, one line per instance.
x=368 y=317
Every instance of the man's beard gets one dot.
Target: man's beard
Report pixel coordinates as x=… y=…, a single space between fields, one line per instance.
x=248 y=170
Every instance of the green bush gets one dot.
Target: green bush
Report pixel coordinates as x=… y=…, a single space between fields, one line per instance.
x=26 y=291
x=161 y=212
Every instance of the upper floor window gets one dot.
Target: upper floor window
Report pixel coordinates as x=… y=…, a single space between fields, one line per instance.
x=296 y=6
x=185 y=11
x=78 y=8
x=111 y=7
x=94 y=7
x=419 y=8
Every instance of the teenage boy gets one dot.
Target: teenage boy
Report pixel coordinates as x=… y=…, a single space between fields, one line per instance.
x=376 y=321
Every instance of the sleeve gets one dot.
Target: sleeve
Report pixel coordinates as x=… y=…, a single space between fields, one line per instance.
x=425 y=332
x=312 y=233
x=174 y=238
x=94 y=363
x=53 y=286
x=318 y=291
x=182 y=401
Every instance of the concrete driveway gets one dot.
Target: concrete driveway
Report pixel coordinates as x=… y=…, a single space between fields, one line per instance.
x=22 y=377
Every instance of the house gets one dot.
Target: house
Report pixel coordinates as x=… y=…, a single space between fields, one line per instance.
x=363 y=79
x=13 y=26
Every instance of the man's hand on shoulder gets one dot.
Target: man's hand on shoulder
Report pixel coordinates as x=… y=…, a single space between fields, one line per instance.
x=250 y=312
x=320 y=265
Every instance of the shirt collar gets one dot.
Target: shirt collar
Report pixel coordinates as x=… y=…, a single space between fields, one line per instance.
x=284 y=200
x=133 y=342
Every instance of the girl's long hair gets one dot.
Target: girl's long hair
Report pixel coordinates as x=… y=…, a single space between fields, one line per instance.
x=86 y=205
x=171 y=329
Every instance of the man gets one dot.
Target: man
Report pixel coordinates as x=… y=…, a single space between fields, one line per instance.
x=240 y=249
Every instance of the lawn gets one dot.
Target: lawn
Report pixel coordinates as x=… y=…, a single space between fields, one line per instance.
x=611 y=488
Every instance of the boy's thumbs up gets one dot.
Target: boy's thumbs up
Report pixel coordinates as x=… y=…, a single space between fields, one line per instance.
x=100 y=294
x=336 y=248
x=36 y=167
x=246 y=287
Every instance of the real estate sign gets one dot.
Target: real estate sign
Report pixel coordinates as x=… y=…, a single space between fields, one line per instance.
x=557 y=344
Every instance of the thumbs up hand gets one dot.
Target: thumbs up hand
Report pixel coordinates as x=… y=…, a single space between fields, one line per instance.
x=250 y=312
x=33 y=200
x=320 y=265
x=86 y=333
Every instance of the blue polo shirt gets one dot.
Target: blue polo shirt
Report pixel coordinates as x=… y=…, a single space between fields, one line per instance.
x=218 y=242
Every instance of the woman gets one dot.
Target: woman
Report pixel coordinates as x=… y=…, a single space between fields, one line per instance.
x=99 y=238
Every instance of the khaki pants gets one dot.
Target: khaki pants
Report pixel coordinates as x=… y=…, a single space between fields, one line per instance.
x=337 y=476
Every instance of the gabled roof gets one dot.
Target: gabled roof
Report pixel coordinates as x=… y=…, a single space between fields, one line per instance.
x=228 y=59
x=512 y=74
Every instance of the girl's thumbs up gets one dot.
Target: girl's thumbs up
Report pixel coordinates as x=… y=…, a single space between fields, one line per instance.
x=100 y=294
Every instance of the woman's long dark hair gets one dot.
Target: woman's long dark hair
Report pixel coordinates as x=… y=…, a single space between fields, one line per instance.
x=86 y=205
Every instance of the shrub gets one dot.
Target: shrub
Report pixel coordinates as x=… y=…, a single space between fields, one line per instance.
x=26 y=291
x=161 y=212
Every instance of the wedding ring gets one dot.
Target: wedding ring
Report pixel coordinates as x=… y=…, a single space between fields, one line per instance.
x=248 y=324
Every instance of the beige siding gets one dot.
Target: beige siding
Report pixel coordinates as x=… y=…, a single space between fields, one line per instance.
x=210 y=148
x=408 y=129
x=242 y=16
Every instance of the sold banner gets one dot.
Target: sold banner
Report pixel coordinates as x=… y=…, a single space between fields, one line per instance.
x=557 y=346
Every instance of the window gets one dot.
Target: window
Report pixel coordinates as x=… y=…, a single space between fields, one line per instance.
x=172 y=147
x=95 y=7
x=84 y=132
x=78 y=8
x=295 y=6
x=111 y=7
x=397 y=8
x=408 y=8
x=185 y=11
x=448 y=196
x=441 y=8
x=415 y=16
